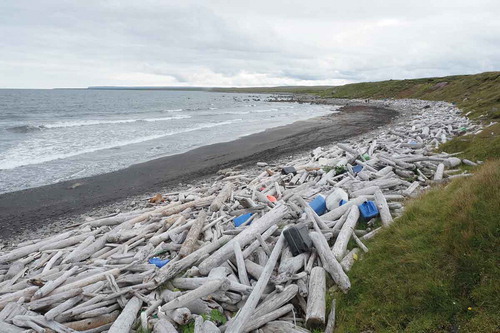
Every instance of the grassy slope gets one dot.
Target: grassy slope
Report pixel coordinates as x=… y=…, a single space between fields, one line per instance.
x=441 y=257
x=424 y=272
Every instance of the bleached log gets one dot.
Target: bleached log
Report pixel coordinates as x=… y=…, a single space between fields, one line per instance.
x=383 y=208
x=52 y=261
x=384 y=171
x=365 y=191
x=209 y=327
x=170 y=270
x=223 y=195
x=206 y=289
x=113 y=220
x=179 y=208
x=411 y=188
x=349 y=259
x=330 y=263
x=261 y=256
x=64 y=243
x=264 y=319
x=38 y=322
x=180 y=316
x=275 y=301
x=439 y=172
x=76 y=252
x=240 y=320
x=338 y=212
x=9 y=328
x=193 y=235
x=85 y=252
x=53 y=299
x=253 y=269
x=13 y=297
x=51 y=285
x=164 y=326
x=340 y=245
x=52 y=313
x=240 y=263
x=26 y=250
x=330 y=326
x=348 y=149
x=86 y=281
x=244 y=238
x=279 y=326
x=316 y=303
x=196 y=282
x=293 y=264
x=359 y=242
x=255 y=244
x=125 y=320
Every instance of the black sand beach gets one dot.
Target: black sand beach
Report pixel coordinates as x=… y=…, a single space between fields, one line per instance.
x=32 y=208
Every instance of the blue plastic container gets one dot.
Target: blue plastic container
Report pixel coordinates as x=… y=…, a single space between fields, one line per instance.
x=158 y=262
x=241 y=219
x=368 y=210
x=318 y=205
x=357 y=168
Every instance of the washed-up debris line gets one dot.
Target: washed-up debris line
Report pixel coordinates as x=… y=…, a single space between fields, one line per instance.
x=248 y=253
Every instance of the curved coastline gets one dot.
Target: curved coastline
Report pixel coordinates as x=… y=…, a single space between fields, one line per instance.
x=36 y=207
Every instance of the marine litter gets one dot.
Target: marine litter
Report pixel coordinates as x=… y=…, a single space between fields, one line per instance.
x=252 y=251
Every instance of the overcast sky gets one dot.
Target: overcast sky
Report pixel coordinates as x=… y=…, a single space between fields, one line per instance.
x=64 y=43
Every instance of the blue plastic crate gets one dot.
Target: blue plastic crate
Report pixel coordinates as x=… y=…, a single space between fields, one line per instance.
x=242 y=219
x=368 y=210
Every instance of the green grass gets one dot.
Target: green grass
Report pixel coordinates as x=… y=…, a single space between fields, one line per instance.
x=215 y=316
x=423 y=273
x=479 y=93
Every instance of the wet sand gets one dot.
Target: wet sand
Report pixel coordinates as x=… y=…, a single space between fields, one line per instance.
x=32 y=208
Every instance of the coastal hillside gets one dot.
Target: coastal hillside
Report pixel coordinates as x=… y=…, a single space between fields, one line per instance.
x=435 y=269
x=478 y=95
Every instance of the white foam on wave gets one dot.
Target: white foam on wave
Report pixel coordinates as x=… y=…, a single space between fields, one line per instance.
x=78 y=123
x=264 y=110
x=26 y=156
x=236 y=112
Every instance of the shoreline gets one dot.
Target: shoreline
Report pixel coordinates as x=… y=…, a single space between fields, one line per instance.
x=37 y=209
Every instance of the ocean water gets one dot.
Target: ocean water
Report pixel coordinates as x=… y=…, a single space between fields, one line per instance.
x=47 y=136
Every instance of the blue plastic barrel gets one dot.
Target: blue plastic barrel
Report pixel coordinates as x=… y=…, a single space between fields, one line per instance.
x=241 y=219
x=318 y=205
x=368 y=210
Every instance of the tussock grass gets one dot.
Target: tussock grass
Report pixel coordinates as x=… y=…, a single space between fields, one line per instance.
x=440 y=259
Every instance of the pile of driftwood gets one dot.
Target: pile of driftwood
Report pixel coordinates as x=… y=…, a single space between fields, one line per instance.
x=97 y=276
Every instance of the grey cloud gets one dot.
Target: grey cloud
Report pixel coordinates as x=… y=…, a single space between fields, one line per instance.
x=79 y=43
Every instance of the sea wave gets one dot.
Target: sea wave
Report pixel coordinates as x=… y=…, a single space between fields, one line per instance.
x=25 y=128
x=22 y=157
x=264 y=110
x=80 y=123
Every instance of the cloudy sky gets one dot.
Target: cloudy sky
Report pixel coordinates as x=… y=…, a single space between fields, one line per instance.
x=80 y=43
